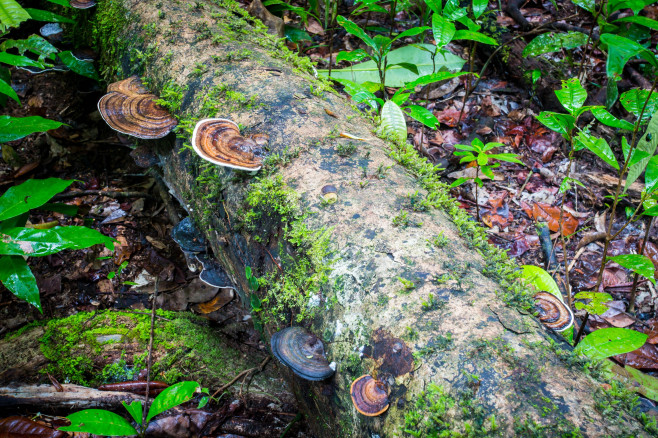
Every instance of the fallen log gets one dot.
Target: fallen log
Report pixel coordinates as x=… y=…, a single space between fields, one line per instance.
x=73 y=397
x=381 y=275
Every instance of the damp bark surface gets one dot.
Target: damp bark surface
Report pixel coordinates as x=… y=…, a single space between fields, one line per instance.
x=370 y=311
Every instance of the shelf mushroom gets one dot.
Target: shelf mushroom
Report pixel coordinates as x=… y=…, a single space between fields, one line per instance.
x=213 y=274
x=82 y=4
x=370 y=396
x=219 y=141
x=130 y=109
x=553 y=313
x=302 y=352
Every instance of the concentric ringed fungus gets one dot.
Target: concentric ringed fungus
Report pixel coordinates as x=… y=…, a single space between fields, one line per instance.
x=302 y=352
x=553 y=313
x=128 y=108
x=219 y=141
x=370 y=396
x=82 y=4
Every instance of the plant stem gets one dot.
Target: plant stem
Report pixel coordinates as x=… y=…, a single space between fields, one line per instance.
x=631 y=305
x=148 y=360
x=565 y=257
x=471 y=58
x=477 y=203
x=581 y=329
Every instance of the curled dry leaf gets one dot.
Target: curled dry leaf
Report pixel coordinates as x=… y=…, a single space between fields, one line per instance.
x=552 y=216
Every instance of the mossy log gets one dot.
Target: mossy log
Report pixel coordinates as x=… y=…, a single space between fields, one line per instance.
x=392 y=276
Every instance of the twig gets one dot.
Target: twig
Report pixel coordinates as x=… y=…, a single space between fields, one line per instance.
x=163 y=192
x=631 y=305
x=109 y=194
x=241 y=375
x=287 y=429
x=148 y=360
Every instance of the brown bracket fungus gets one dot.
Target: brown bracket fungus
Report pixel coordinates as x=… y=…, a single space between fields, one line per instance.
x=82 y=4
x=553 y=313
x=370 y=396
x=130 y=109
x=302 y=352
x=219 y=141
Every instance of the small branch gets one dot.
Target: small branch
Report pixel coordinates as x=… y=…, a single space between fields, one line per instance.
x=241 y=375
x=109 y=194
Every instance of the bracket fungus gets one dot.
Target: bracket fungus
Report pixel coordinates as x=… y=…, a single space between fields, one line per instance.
x=130 y=109
x=370 y=396
x=219 y=141
x=82 y=4
x=302 y=352
x=213 y=274
x=189 y=237
x=553 y=313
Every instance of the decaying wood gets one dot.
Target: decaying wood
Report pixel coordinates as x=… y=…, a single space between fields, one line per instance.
x=74 y=397
x=364 y=305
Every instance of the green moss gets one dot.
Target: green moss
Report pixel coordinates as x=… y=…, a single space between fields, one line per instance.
x=109 y=36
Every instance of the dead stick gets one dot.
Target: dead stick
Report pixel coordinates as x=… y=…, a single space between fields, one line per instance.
x=239 y=376
x=109 y=194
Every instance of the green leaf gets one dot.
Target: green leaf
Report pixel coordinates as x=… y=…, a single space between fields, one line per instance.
x=5 y=88
x=434 y=77
x=611 y=93
x=649 y=383
x=13 y=128
x=16 y=276
x=35 y=242
x=640 y=264
x=647 y=146
x=453 y=10
x=442 y=30
x=11 y=14
x=411 y=67
x=639 y=19
x=67 y=209
x=633 y=101
x=392 y=122
x=398 y=76
x=603 y=116
x=40 y=15
x=423 y=115
x=610 y=342
x=558 y=122
x=596 y=305
x=596 y=145
x=31 y=194
x=458 y=182
x=19 y=60
x=83 y=68
x=171 y=397
x=295 y=34
x=474 y=36
x=135 y=410
x=353 y=56
x=80 y=237
x=410 y=32
x=651 y=175
x=572 y=95
x=553 y=42
x=99 y=422
x=355 y=30
x=588 y=5
x=479 y=6
x=509 y=158
x=35 y=44
x=359 y=93
x=64 y=3
x=635 y=5
x=541 y=280
x=620 y=50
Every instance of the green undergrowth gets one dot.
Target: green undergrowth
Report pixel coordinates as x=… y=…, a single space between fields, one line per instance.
x=184 y=348
x=288 y=290
x=109 y=36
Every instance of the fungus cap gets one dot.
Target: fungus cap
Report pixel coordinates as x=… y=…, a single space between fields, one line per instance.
x=219 y=141
x=82 y=4
x=370 y=396
x=302 y=352
x=553 y=313
x=188 y=236
x=213 y=274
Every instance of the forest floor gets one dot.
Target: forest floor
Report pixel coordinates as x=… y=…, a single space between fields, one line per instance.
x=122 y=200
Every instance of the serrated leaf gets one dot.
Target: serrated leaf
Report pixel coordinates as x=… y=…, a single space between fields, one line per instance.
x=83 y=68
x=572 y=95
x=11 y=14
x=13 y=128
x=392 y=122
x=99 y=422
x=603 y=116
x=596 y=304
x=423 y=115
x=31 y=194
x=553 y=42
x=541 y=280
x=474 y=36
x=16 y=276
x=172 y=396
x=596 y=145
x=647 y=146
x=608 y=342
x=640 y=264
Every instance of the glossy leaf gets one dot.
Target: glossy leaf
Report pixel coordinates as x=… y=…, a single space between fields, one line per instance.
x=83 y=68
x=353 y=56
x=355 y=30
x=603 y=116
x=635 y=5
x=553 y=42
x=406 y=65
x=651 y=175
x=80 y=237
x=410 y=32
x=588 y=5
x=474 y=36
x=13 y=128
x=6 y=89
x=19 y=60
x=135 y=409
x=610 y=342
x=458 y=182
x=398 y=76
x=479 y=6
x=64 y=3
x=647 y=145
x=620 y=50
x=423 y=115
x=649 y=383
x=31 y=194
x=598 y=146
x=442 y=30
x=639 y=19
x=35 y=44
x=453 y=10
x=432 y=78
x=392 y=122
x=41 y=15
x=637 y=263
x=99 y=422
x=16 y=276
x=11 y=14
x=35 y=242
x=596 y=302
x=360 y=94
x=558 y=122
x=634 y=101
x=173 y=396
x=541 y=280
x=572 y=95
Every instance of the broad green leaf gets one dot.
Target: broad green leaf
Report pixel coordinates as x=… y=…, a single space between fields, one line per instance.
x=453 y=10
x=596 y=145
x=410 y=32
x=647 y=145
x=392 y=122
x=458 y=182
x=603 y=116
x=360 y=94
x=479 y=6
x=649 y=383
x=64 y=3
x=611 y=94
x=40 y=15
x=5 y=88
x=470 y=24
x=35 y=44
x=31 y=194
x=11 y=14
x=16 y=276
x=633 y=101
x=99 y=422
x=67 y=209
x=640 y=264
x=83 y=68
x=596 y=304
x=553 y=42
x=639 y=19
x=651 y=175
x=474 y=36
x=442 y=30
x=635 y=5
x=572 y=95
x=80 y=237
x=398 y=76
x=355 y=30
x=295 y=34
x=588 y=5
x=482 y=159
x=13 y=128
x=435 y=6
x=35 y=242
x=620 y=50
x=171 y=397
x=135 y=410
x=353 y=56
x=558 y=122
x=19 y=60
x=411 y=67
x=509 y=158
x=423 y=115
x=541 y=280
x=400 y=97
x=610 y=342
x=434 y=77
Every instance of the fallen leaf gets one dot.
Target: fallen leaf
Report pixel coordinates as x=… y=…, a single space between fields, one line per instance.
x=552 y=216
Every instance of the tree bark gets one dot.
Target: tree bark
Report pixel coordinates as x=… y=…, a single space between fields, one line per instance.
x=488 y=358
